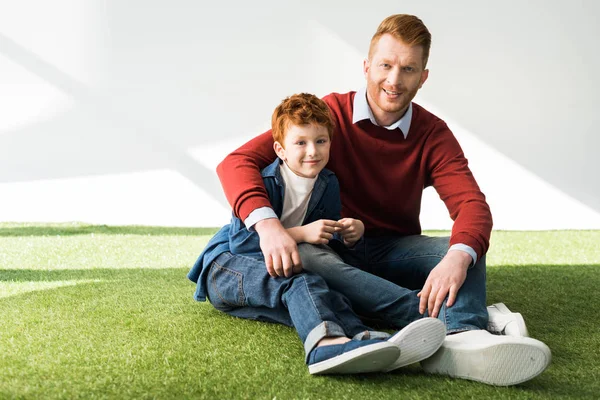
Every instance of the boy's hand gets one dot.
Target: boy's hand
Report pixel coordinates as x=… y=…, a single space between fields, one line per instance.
x=320 y=231
x=352 y=230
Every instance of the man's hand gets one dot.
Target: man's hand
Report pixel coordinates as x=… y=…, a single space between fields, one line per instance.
x=278 y=247
x=444 y=280
x=351 y=230
x=320 y=231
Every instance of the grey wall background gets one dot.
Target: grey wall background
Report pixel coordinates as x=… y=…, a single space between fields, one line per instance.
x=118 y=111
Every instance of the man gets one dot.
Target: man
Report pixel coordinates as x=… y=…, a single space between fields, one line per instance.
x=387 y=151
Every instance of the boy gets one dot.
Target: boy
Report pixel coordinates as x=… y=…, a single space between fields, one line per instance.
x=232 y=271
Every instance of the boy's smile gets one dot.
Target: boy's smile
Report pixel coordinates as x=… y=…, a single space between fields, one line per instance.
x=305 y=149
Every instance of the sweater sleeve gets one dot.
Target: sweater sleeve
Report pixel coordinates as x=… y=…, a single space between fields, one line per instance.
x=454 y=182
x=240 y=177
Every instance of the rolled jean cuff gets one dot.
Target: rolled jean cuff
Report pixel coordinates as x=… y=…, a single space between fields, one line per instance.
x=370 y=335
x=323 y=330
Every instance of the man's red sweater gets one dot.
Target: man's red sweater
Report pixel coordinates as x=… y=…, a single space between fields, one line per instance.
x=382 y=175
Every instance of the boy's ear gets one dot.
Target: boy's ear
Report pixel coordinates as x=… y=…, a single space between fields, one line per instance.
x=279 y=150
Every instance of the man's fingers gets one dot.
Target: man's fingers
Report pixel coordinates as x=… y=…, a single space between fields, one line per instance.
x=452 y=296
x=439 y=300
x=288 y=266
x=269 y=264
x=277 y=265
x=296 y=262
x=424 y=295
x=431 y=300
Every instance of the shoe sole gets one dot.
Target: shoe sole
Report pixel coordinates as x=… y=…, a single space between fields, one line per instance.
x=502 y=364
x=418 y=341
x=371 y=358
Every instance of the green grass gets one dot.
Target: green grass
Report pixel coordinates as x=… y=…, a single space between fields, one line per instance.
x=107 y=312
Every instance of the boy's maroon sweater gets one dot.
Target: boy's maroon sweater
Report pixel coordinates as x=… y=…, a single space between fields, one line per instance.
x=382 y=175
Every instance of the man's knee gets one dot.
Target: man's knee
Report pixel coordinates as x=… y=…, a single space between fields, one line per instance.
x=439 y=245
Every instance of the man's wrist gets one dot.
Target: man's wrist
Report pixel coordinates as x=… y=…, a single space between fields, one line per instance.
x=258 y=215
x=462 y=257
x=267 y=224
x=467 y=249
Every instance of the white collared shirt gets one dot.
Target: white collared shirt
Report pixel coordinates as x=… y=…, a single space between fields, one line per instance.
x=362 y=111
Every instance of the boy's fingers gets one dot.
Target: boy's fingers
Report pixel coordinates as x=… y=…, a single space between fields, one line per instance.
x=327 y=235
x=343 y=223
x=329 y=229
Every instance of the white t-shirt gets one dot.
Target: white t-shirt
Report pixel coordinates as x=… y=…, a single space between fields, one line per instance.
x=296 y=196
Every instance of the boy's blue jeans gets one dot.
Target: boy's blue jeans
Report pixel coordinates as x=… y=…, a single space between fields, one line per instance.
x=240 y=286
x=382 y=276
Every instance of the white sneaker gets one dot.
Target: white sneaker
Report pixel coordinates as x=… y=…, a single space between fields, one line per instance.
x=496 y=360
x=504 y=322
x=418 y=341
x=353 y=357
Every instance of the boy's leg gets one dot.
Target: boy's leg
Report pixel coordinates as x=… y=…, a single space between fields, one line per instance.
x=241 y=286
x=371 y=296
x=385 y=301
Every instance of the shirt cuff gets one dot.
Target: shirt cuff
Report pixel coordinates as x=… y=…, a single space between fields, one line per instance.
x=467 y=249
x=258 y=215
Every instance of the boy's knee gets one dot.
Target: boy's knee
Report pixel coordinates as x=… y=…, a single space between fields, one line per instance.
x=315 y=257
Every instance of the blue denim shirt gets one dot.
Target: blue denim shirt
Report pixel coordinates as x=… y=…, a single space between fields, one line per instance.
x=324 y=203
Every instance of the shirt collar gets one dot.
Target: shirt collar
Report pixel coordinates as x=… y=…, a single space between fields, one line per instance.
x=362 y=111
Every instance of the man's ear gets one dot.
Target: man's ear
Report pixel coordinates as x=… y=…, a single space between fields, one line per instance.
x=424 y=76
x=366 y=66
x=279 y=150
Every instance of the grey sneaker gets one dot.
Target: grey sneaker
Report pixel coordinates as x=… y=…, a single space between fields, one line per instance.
x=496 y=360
x=504 y=322
x=417 y=341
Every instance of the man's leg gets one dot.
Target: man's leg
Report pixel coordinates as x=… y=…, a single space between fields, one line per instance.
x=409 y=260
x=241 y=286
x=469 y=351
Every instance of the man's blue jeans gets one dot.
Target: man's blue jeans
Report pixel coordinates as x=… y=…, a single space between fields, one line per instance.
x=382 y=276
x=240 y=286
